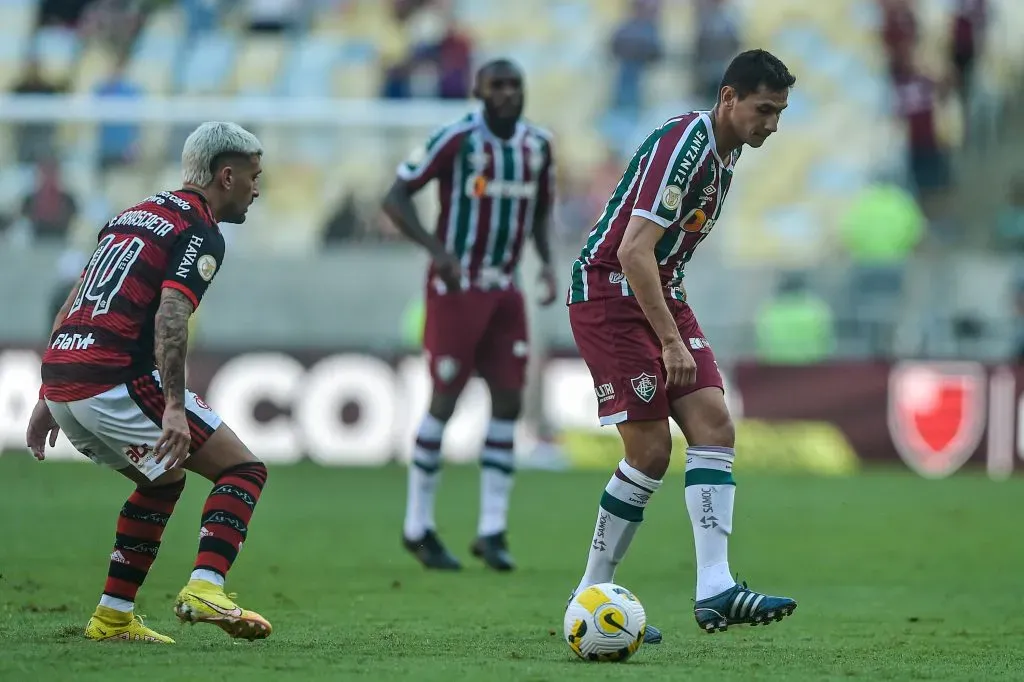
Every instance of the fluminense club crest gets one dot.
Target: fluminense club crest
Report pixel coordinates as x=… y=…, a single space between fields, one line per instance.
x=645 y=386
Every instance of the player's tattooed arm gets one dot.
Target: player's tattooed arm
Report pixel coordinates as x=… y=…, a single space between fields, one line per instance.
x=171 y=327
x=399 y=207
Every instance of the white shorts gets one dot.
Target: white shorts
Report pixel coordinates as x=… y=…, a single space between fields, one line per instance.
x=119 y=427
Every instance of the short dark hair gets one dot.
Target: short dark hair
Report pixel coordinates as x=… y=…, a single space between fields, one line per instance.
x=500 y=63
x=749 y=70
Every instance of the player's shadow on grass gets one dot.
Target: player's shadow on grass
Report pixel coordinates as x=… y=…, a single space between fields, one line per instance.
x=632 y=662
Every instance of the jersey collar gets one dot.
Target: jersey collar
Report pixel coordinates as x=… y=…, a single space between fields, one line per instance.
x=203 y=201
x=516 y=138
x=706 y=115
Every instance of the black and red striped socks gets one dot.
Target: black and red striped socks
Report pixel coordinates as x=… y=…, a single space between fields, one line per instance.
x=140 y=527
x=225 y=521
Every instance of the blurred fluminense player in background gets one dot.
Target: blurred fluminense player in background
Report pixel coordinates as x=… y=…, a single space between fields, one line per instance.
x=495 y=179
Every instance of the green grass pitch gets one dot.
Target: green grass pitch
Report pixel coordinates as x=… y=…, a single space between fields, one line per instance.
x=897 y=578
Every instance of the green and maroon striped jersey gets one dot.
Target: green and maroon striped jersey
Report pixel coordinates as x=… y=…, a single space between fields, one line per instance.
x=490 y=190
x=675 y=179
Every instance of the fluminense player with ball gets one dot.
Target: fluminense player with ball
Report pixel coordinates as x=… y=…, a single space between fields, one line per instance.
x=645 y=350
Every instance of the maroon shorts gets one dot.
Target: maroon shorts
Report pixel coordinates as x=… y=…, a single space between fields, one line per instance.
x=624 y=357
x=476 y=330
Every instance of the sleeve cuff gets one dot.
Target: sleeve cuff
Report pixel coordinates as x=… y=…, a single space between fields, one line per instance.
x=653 y=218
x=171 y=284
x=413 y=180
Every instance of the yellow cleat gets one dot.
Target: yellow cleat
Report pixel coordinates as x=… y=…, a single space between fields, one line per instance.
x=204 y=602
x=111 y=625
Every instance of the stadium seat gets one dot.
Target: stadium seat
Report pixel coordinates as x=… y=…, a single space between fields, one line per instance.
x=94 y=65
x=57 y=50
x=356 y=80
x=290 y=187
x=367 y=18
x=258 y=64
x=166 y=21
x=153 y=59
x=16 y=17
x=12 y=53
x=15 y=182
x=308 y=67
x=126 y=186
x=833 y=47
x=207 y=63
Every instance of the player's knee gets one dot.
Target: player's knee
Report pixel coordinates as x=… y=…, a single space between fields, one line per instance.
x=255 y=467
x=167 y=486
x=442 y=406
x=704 y=419
x=652 y=458
x=221 y=452
x=719 y=430
x=648 y=449
x=506 y=405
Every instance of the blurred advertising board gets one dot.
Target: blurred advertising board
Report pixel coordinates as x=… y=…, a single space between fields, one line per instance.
x=360 y=409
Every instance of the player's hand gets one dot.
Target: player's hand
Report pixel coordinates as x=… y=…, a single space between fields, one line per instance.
x=175 y=439
x=680 y=368
x=449 y=269
x=41 y=424
x=550 y=282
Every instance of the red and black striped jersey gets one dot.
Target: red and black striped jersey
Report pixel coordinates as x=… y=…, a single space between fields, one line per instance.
x=169 y=240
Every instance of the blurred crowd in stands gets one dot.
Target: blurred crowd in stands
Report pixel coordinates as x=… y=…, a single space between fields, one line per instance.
x=887 y=222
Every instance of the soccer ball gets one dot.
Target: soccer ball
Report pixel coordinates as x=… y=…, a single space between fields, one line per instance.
x=605 y=622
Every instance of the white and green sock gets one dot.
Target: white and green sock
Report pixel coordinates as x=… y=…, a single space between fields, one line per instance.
x=710 y=493
x=497 y=470
x=618 y=517
x=424 y=473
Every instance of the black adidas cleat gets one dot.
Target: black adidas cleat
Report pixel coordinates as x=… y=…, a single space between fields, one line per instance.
x=493 y=551
x=431 y=553
x=740 y=606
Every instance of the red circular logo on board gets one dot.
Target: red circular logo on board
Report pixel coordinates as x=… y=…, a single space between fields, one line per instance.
x=200 y=403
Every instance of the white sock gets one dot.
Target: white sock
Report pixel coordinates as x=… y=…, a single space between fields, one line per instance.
x=710 y=493
x=618 y=517
x=209 y=576
x=497 y=469
x=122 y=605
x=424 y=473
